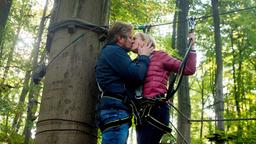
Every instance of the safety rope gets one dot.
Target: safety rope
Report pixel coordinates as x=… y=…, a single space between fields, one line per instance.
x=179 y=133
x=202 y=120
x=71 y=24
x=172 y=89
x=147 y=27
x=208 y=120
x=67 y=46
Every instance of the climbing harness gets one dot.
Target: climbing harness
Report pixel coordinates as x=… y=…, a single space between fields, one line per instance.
x=115 y=123
x=121 y=97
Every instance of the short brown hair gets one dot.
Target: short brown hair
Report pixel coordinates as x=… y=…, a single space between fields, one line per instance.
x=118 y=29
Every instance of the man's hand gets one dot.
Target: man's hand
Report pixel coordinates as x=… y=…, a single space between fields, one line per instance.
x=146 y=49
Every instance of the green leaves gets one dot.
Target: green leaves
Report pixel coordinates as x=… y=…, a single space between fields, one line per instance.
x=138 y=11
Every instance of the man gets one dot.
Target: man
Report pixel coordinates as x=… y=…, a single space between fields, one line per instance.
x=117 y=75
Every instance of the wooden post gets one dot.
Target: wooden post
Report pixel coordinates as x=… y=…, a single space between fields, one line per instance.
x=67 y=112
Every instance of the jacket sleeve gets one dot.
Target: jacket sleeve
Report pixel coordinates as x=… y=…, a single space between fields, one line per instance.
x=122 y=64
x=173 y=64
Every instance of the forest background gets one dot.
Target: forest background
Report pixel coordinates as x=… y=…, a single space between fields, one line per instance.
x=23 y=34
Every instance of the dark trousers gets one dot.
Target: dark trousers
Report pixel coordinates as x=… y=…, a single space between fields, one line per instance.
x=147 y=133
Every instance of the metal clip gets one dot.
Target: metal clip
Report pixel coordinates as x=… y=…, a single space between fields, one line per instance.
x=191 y=23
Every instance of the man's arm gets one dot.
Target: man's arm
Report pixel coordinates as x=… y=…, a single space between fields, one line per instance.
x=122 y=64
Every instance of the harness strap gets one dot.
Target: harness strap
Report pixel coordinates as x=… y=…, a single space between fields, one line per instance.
x=114 y=96
x=154 y=122
x=115 y=123
x=129 y=103
x=118 y=122
x=136 y=112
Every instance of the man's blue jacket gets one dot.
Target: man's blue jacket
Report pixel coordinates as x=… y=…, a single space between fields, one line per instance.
x=117 y=73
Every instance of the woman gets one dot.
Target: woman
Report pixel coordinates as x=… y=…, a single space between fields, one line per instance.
x=155 y=85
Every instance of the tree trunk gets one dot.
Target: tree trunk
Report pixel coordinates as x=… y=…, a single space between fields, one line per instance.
x=236 y=81
x=174 y=29
x=183 y=93
x=240 y=95
x=218 y=99
x=5 y=6
x=34 y=89
x=20 y=106
x=202 y=87
x=67 y=112
x=174 y=33
x=10 y=55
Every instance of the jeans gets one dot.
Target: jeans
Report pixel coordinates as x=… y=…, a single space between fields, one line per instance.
x=148 y=134
x=116 y=134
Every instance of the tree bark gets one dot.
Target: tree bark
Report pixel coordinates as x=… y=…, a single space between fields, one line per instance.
x=183 y=92
x=239 y=95
x=174 y=33
x=5 y=6
x=218 y=99
x=174 y=26
x=67 y=112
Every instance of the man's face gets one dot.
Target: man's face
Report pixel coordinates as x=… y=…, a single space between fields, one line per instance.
x=126 y=42
x=137 y=43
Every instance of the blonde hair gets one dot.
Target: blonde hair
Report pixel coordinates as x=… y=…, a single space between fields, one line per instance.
x=147 y=38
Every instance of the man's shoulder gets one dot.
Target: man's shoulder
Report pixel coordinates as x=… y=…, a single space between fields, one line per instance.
x=111 y=45
x=112 y=48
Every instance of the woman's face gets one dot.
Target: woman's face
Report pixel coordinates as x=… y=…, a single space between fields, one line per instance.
x=137 y=43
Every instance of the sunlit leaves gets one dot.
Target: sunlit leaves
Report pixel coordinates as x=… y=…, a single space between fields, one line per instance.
x=138 y=11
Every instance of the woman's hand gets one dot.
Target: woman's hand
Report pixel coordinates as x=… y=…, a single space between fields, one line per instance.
x=146 y=49
x=192 y=37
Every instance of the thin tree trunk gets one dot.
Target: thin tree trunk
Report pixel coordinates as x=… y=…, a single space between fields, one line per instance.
x=10 y=55
x=34 y=90
x=240 y=86
x=67 y=112
x=218 y=99
x=236 y=85
x=174 y=32
x=5 y=6
x=20 y=106
x=202 y=105
x=174 y=26
x=183 y=93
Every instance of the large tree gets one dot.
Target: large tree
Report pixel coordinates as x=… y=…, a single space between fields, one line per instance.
x=67 y=112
